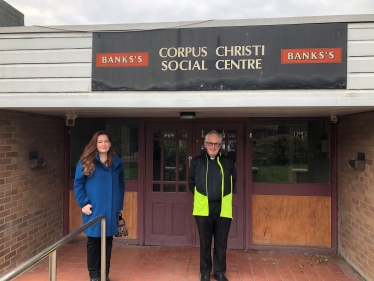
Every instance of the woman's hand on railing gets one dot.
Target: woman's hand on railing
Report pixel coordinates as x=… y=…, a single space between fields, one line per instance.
x=87 y=209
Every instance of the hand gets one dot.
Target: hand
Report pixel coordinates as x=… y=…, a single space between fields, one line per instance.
x=87 y=209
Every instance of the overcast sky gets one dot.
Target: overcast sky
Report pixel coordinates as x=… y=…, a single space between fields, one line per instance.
x=76 y=12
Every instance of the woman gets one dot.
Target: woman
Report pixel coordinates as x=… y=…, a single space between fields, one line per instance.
x=99 y=188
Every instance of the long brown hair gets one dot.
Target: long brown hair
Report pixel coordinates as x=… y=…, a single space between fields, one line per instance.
x=88 y=156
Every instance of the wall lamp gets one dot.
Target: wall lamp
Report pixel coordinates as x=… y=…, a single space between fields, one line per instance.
x=187 y=115
x=359 y=163
x=70 y=120
x=34 y=161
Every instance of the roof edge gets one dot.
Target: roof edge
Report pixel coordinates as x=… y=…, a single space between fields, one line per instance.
x=358 y=18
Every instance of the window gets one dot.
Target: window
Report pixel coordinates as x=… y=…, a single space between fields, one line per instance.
x=291 y=151
x=124 y=134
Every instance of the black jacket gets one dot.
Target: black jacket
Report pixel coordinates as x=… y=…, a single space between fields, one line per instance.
x=197 y=175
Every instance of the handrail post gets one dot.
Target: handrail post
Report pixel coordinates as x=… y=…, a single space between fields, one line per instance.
x=103 y=250
x=51 y=251
x=53 y=266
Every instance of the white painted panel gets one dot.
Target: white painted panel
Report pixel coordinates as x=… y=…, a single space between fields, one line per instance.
x=46 y=56
x=45 y=85
x=360 y=48
x=45 y=43
x=363 y=64
x=45 y=71
x=45 y=35
x=207 y=104
x=361 y=25
x=361 y=34
x=360 y=81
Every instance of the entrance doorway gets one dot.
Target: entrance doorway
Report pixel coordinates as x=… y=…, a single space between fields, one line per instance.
x=168 y=202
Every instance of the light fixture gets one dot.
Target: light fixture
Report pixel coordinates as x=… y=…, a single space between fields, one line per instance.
x=359 y=163
x=70 y=120
x=34 y=161
x=187 y=115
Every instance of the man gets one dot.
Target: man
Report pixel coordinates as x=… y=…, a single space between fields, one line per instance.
x=211 y=179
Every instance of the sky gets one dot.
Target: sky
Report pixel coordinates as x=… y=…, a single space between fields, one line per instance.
x=84 y=12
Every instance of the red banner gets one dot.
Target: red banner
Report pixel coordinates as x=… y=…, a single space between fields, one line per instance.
x=313 y=55
x=122 y=59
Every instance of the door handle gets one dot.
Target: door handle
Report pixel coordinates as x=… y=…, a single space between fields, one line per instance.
x=189 y=161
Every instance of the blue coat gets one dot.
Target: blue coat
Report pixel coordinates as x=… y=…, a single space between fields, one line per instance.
x=105 y=191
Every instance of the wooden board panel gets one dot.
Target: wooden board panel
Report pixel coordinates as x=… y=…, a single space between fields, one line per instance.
x=291 y=220
x=48 y=85
x=360 y=81
x=46 y=56
x=75 y=217
x=45 y=71
x=46 y=43
x=360 y=65
x=130 y=214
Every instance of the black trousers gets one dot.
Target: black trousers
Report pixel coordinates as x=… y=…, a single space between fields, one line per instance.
x=217 y=227
x=94 y=255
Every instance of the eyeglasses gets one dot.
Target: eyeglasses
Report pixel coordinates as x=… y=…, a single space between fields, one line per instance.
x=216 y=144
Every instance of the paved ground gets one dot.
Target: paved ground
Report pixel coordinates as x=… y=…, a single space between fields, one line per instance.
x=135 y=263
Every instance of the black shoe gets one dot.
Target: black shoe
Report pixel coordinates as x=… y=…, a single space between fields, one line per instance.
x=220 y=277
x=94 y=279
x=205 y=277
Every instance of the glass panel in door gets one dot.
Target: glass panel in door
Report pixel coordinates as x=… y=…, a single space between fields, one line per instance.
x=168 y=205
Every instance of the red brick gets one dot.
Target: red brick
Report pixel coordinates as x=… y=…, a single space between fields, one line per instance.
x=368 y=240
x=5 y=161
x=11 y=129
x=12 y=154
x=5 y=174
x=11 y=141
x=30 y=190
x=11 y=167
x=5 y=136
x=5 y=122
x=355 y=195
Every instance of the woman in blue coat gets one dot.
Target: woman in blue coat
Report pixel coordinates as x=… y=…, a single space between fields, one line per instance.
x=99 y=188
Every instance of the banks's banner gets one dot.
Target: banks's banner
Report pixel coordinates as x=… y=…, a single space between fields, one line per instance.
x=305 y=56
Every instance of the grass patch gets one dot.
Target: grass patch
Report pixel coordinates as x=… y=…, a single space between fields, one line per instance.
x=277 y=174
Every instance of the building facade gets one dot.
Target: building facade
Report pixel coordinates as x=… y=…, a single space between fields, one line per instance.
x=292 y=97
x=10 y=16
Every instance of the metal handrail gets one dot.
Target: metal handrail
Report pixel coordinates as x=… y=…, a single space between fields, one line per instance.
x=51 y=251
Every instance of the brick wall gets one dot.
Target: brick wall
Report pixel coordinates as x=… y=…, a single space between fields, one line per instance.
x=356 y=193
x=31 y=200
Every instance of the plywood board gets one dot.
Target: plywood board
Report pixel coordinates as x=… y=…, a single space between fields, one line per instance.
x=130 y=214
x=291 y=220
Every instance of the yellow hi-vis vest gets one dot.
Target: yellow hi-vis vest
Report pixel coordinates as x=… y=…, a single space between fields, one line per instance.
x=201 y=203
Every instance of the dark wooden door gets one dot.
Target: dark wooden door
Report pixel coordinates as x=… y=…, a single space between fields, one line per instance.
x=168 y=202
x=233 y=146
